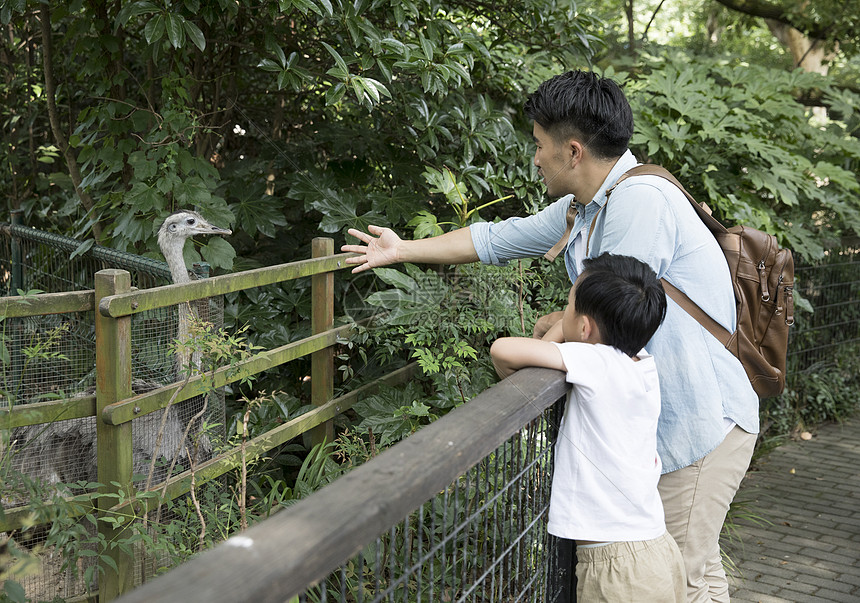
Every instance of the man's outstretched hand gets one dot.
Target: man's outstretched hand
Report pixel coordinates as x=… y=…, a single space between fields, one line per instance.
x=380 y=250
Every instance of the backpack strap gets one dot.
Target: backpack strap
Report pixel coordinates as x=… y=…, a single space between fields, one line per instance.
x=679 y=297
x=562 y=242
x=690 y=307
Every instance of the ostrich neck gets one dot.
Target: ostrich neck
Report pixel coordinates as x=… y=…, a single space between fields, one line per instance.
x=176 y=263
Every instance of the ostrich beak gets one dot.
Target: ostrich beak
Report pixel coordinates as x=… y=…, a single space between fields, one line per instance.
x=219 y=231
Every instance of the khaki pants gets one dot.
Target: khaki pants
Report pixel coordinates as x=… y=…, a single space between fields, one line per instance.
x=696 y=499
x=650 y=571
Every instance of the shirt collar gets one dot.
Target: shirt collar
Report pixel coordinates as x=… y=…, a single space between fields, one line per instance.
x=624 y=163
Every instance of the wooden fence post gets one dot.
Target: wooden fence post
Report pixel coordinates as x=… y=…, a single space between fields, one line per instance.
x=322 y=319
x=113 y=383
x=13 y=326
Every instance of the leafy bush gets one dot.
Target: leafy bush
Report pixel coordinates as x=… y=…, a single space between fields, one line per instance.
x=738 y=139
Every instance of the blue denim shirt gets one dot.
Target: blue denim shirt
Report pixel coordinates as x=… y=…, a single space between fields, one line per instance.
x=701 y=382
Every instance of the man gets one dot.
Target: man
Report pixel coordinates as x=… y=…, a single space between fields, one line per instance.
x=709 y=418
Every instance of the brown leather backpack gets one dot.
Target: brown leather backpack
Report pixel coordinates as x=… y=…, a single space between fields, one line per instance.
x=763 y=280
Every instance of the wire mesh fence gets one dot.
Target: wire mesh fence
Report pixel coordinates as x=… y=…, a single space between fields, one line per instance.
x=482 y=539
x=52 y=356
x=832 y=288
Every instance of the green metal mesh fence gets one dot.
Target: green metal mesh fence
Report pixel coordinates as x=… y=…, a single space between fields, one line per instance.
x=53 y=356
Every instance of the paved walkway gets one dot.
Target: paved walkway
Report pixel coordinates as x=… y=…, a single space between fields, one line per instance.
x=810 y=492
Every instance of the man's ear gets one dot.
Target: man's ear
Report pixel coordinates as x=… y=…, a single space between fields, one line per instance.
x=575 y=148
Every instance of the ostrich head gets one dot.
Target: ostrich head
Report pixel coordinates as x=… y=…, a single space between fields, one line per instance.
x=178 y=227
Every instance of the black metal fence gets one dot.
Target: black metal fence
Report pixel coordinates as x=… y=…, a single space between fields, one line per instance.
x=832 y=288
x=483 y=538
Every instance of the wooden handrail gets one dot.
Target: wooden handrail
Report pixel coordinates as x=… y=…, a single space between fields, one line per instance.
x=158 y=297
x=21 y=306
x=279 y=557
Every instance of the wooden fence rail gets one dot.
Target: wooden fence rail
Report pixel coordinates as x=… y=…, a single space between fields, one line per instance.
x=114 y=405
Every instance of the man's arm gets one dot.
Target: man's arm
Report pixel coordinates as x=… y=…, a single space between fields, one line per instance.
x=510 y=354
x=386 y=248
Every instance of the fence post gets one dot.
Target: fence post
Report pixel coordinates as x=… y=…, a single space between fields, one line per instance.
x=13 y=326
x=113 y=383
x=322 y=319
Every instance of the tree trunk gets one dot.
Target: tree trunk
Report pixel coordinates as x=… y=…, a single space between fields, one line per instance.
x=631 y=34
x=54 y=118
x=808 y=54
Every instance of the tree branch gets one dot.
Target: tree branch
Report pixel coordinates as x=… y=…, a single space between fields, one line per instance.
x=767 y=10
x=54 y=118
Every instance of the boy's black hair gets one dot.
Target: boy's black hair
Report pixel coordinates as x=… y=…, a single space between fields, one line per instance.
x=586 y=106
x=624 y=297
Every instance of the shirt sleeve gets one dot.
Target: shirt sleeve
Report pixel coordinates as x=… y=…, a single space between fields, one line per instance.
x=584 y=366
x=499 y=242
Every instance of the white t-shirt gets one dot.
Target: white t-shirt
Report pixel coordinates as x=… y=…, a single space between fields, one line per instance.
x=606 y=465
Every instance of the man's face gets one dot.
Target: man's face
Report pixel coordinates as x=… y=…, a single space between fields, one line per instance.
x=553 y=162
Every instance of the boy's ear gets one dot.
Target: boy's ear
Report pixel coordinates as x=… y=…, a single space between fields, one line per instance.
x=590 y=332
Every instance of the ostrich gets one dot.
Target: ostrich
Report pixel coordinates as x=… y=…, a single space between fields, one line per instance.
x=65 y=451
x=176 y=229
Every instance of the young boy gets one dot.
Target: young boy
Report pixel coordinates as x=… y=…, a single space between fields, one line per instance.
x=604 y=489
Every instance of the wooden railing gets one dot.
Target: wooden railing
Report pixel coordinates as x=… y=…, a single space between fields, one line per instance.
x=283 y=557
x=115 y=406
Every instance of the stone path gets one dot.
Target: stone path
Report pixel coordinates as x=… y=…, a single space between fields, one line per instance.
x=809 y=492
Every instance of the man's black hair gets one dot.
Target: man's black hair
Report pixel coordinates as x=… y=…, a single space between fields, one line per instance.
x=584 y=105
x=624 y=297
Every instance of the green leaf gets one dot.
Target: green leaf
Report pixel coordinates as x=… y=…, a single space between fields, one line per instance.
x=337 y=58
x=327 y=6
x=396 y=278
x=334 y=94
x=82 y=248
x=258 y=212
x=175 y=32
x=195 y=34
x=14 y=591
x=424 y=225
x=134 y=9
x=154 y=29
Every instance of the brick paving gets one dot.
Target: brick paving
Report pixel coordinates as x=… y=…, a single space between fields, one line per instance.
x=809 y=492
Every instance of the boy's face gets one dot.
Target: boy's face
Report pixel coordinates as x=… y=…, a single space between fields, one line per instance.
x=572 y=322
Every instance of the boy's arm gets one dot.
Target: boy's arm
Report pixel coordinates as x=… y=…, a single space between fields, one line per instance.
x=510 y=354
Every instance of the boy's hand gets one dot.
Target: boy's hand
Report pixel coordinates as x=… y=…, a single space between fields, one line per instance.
x=510 y=354
x=546 y=323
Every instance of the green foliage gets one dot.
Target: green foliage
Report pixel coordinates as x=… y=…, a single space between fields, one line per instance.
x=335 y=106
x=823 y=367
x=393 y=414
x=736 y=137
x=824 y=391
x=446 y=319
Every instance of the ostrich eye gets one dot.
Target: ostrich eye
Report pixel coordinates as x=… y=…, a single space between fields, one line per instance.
x=190 y=221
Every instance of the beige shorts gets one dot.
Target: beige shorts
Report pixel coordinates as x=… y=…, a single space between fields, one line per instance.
x=647 y=571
